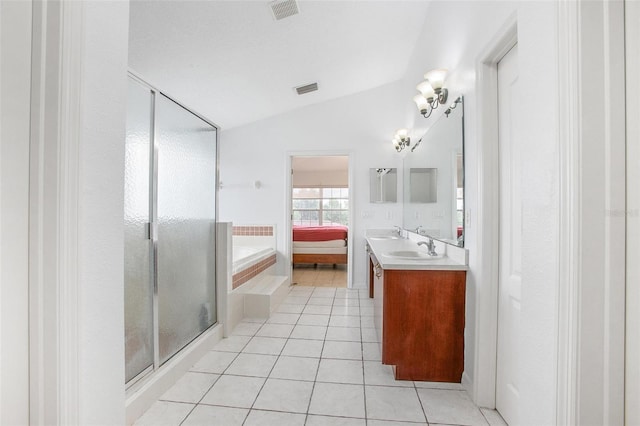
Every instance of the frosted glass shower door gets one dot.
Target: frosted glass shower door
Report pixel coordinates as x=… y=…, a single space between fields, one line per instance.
x=138 y=289
x=186 y=206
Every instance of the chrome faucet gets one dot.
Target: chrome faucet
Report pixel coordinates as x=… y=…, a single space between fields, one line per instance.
x=398 y=230
x=418 y=230
x=431 y=246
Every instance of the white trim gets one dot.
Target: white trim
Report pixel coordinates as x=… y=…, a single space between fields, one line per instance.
x=55 y=150
x=570 y=218
x=288 y=206
x=632 y=356
x=485 y=368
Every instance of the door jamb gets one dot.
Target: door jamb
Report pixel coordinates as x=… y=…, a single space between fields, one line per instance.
x=289 y=206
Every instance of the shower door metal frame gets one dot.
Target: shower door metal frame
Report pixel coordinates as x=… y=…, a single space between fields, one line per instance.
x=152 y=232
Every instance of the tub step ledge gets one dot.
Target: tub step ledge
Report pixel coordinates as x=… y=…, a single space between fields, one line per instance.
x=263 y=295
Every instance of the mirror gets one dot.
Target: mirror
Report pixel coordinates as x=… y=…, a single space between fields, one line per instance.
x=383 y=183
x=433 y=180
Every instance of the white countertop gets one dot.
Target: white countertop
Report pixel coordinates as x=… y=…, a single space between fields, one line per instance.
x=381 y=246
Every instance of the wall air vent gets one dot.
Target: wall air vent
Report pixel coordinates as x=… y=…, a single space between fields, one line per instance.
x=284 y=8
x=307 y=88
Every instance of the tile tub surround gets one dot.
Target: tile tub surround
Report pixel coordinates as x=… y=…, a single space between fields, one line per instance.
x=245 y=275
x=253 y=231
x=266 y=373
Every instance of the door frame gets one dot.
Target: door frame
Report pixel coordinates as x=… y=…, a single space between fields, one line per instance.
x=632 y=338
x=486 y=335
x=289 y=205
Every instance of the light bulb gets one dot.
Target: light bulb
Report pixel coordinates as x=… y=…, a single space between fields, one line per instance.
x=436 y=78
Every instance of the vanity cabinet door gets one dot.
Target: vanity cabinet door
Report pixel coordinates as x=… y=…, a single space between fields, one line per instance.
x=423 y=317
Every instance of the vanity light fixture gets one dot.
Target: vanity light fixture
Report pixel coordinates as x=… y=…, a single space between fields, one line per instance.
x=401 y=140
x=432 y=92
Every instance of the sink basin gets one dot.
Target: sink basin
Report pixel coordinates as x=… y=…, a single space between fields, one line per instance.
x=411 y=255
x=385 y=237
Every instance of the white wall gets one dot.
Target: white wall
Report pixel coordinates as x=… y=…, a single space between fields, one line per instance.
x=100 y=222
x=15 y=39
x=364 y=123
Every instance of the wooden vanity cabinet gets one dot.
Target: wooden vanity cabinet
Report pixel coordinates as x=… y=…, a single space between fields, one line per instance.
x=420 y=317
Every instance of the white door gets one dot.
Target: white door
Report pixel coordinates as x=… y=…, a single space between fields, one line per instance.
x=510 y=252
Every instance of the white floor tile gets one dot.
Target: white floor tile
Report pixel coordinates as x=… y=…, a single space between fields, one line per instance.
x=452 y=407
x=371 y=352
x=320 y=301
x=246 y=329
x=285 y=395
x=493 y=417
x=369 y=335
x=345 y=334
x=346 y=302
x=342 y=350
x=252 y=365
x=214 y=362
x=295 y=368
x=275 y=330
x=366 y=302
x=211 y=415
x=232 y=344
x=190 y=388
x=234 y=391
x=280 y=318
x=376 y=373
x=367 y=322
x=324 y=292
x=366 y=311
x=346 y=310
x=308 y=319
x=333 y=399
x=344 y=321
x=340 y=371
x=295 y=300
x=306 y=348
x=314 y=420
x=390 y=423
x=389 y=403
x=315 y=309
x=311 y=332
x=290 y=309
x=345 y=293
x=265 y=345
x=164 y=413
x=274 y=418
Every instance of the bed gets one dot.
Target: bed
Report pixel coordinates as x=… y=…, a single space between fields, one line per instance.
x=320 y=244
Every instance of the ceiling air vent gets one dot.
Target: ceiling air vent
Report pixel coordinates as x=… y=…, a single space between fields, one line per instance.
x=284 y=8
x=307 y=88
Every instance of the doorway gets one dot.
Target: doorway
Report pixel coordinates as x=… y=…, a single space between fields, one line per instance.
x=320 y=218
x=510 y=239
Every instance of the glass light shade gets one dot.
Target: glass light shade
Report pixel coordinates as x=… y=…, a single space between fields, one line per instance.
x=426 y=90
x=436 y=78
x=421 y=102
x=402 y=133
x=395 y=142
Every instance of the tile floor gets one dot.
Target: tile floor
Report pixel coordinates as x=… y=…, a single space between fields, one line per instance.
x=320 y=276
x=316 y=361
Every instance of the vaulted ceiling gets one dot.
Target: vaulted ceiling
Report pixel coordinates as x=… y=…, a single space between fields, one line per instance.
x=234 y=63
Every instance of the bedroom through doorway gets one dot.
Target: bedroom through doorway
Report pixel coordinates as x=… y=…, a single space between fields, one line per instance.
x=320 y=216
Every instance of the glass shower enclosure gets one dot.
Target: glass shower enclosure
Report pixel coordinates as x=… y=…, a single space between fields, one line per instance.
x=170 y=214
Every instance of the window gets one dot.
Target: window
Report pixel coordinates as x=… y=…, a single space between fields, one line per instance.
x=320 y=206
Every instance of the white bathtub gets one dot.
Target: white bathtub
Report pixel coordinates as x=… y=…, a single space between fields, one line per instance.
x=244 y=257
